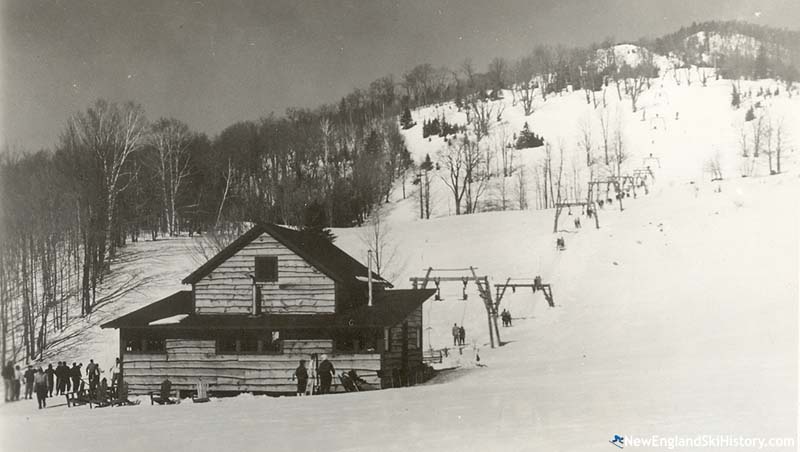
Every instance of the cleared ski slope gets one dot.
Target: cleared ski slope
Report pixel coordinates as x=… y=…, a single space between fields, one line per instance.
x=678 y=317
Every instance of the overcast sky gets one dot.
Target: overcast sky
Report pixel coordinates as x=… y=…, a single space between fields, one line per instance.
x=213 y=63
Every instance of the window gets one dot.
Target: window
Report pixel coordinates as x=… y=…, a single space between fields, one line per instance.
x=142 y=343
x=267 y=269
x=272 y=343
x=415 y=338
x=356 y=341
x=250 y=343
x=226 y=345
x=154 y=345
x=133 y=345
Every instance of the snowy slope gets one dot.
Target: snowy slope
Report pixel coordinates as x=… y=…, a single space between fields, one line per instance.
x=678 y=316
x=680 y=123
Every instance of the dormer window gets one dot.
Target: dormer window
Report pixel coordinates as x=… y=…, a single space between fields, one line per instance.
x=267 y=269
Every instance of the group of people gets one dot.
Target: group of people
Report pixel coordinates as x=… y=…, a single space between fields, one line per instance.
x=62 y=379
x=37 y=381
x=506 y=317
x=459 y=335
x=325 y=370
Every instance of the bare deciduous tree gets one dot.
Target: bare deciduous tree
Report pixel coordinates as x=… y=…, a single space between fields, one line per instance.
x=169 y=140
x=481 y=117
x=523 y=75
x=522 y=188
x=377 y=237
x=462 y=160
x=714 y=167
x=778 y=144
x=620 y=153
x=757 y=125
x=585 y=138
x=605 y=126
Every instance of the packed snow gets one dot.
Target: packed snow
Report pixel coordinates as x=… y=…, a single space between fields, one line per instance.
x=677 y=317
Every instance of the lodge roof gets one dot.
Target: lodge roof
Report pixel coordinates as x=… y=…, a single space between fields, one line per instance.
x=317 y=251
x=389 y=308
x=175 y=304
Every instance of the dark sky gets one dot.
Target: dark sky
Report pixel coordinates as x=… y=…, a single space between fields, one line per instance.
x=213 y=63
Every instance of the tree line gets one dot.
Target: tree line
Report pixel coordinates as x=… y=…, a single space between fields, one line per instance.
x=114 y=174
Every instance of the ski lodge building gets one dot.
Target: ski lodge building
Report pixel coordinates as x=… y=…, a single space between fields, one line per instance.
x=271 y=298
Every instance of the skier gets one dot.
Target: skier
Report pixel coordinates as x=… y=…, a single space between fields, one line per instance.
x=59 y=381
x=8 y=381
x=326 y=373
x=75 y=373
x=462 y=335
x=67 y=379
x=93 y=372
x=29 y=376
x=40 y=386
x=115 y=372
x=301 y=374
x=50 y=373
x=456 y=333
x=508 y=317
x=577 y=222
x=19 y=377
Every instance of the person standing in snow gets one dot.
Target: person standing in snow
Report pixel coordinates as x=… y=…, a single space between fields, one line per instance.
x=326 y=373
x=67 y=378
x=115 y=372
x=456 y=334
x=301 y=374
x=29 y=376
x=8 y=381
x=75 y=373
x=462 y=335
x=40 y=386
x=91 y=373
x=19 y=377
x=57 y=373
x=62 y=372
x=49 y=373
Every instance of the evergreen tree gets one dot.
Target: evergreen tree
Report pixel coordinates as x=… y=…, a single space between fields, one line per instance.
x=427 y=165
x=315 y=222
x=528 y=139
x=736 y=97
x=406 y=121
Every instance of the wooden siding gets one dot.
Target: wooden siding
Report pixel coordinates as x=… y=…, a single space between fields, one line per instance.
x=188 y=361
x=301 y=288
x=392 y=358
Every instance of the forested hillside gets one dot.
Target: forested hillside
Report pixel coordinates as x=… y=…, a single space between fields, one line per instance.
x=117 y=176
